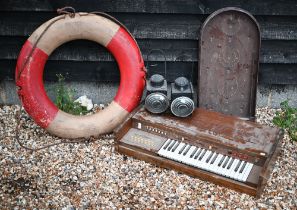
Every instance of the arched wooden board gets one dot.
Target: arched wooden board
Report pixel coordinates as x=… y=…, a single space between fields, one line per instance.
x=229 y=62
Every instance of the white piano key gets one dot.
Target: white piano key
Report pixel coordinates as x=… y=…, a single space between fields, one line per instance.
x=226 y=171
x=213 y=158
x=230 y=163
x=237 y=174
x=247 y=172
x=202 y=154
x=171 y=145
x=220 y=165
x=182 y=149
x=238 y=165
x=186 y=150
x=184 y=158
x=215 y=166
x=224 y=166
x=192 y=149
x=222 y=160
x=194 y=152
x=226 y=162
x=187 y=157
x=242 y=171
x=202 y=162
x=208 y=159
x=212 y=161
x=175 y=155
x=209 y=156
x=208 y=152
x=210 y=164
x=222 y=169
x=197 y=162
x=198 y=153
x=165 y=145
x=175 y=146
x=232 y=172
x=242 y=167
x=164 y=151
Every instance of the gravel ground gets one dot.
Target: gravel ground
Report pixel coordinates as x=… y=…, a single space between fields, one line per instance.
x=91 y=176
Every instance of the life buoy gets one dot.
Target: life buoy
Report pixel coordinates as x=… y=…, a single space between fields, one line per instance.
x=61 y=29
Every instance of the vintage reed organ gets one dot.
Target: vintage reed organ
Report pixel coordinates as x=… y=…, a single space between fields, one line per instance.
x=212 y=146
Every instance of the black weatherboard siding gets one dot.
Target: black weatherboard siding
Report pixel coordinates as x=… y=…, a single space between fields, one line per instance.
x=170 y=25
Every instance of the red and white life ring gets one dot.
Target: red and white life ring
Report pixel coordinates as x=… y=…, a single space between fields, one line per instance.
x=35 y=52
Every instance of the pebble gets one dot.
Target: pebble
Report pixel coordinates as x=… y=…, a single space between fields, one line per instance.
x=94 y=176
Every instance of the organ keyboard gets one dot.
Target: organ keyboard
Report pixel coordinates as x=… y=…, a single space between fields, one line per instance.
x=215 y=147
x=207 y=160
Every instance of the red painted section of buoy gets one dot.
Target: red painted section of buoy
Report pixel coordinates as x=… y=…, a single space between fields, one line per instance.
x=30 y=83
x=131 y=65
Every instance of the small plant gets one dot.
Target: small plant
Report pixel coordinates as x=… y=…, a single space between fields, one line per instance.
x=287 y=119
x=64 y=98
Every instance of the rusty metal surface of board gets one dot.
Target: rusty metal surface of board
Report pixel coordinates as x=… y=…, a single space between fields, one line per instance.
x=229 y=62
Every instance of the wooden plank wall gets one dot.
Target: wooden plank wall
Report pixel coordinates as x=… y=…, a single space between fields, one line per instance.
x=170 y=25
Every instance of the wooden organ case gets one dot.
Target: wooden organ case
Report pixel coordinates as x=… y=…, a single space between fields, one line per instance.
x=215 y=147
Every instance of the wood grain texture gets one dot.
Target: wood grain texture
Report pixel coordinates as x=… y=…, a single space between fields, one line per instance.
x=278 y=51
x=148 y=26
x=265 y=7
x=279 y=74
x=171 y=25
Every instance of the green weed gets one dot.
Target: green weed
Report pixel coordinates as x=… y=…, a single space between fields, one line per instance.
x=287 y=119
x=64 y=98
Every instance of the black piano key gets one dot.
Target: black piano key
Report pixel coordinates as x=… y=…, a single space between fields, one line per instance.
x=171 y=145
x=214 y=158
x=175 y=146
x=167 y=144
x=221 y=161
x=187 y=149
x=242 y=168
x=182 y=149
x=198 y=153
x=226 y=161
x=209 y=157
x=230 y=164
x=193 y=153
x=236 y=168
x=203 y=153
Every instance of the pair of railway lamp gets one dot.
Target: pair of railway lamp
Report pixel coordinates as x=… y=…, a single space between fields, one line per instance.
x=160 y=95
x=179 y=96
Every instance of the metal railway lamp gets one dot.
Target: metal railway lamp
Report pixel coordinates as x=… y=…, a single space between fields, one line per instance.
x=182 y=94
x=157 y=99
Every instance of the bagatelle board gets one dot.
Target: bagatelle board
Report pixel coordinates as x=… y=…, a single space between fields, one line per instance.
x=229 y=62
